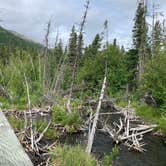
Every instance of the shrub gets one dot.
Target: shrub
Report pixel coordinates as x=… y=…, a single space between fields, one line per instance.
x=71 y=121
x=154 y=79
x=40 y=125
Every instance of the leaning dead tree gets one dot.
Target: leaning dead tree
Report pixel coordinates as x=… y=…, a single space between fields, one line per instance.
x=79 y=51
x=96 y=116
x=11 y=151
x=93 y=130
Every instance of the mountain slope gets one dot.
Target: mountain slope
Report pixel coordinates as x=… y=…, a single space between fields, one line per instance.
x=14 y=39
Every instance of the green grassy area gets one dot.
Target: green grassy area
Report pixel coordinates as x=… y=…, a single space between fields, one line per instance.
x=38 y=126
x=77 y=156
x=70 y=121
x=152 y=115
x=71 y=156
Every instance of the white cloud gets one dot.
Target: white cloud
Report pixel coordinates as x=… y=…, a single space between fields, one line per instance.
x=29 y=17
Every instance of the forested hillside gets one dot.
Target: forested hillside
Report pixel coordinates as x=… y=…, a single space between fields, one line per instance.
x=73 y=85
x=13 y=39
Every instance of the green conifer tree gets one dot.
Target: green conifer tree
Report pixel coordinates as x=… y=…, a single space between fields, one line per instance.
x=157 y=38
x=72 y=47
x=140 y=38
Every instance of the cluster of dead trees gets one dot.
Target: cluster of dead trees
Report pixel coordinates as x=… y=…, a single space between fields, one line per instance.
x=129 y=130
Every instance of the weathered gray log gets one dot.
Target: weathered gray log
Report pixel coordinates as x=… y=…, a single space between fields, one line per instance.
x=11 y=151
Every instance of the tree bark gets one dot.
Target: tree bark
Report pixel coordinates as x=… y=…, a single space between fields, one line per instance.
x=11 y=151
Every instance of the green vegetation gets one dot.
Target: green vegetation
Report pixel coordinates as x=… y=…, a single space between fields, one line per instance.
x=71 y=156
x=74 y=156
x=67 y=76
x=71 y=121
x=107 y=160
x=17 y=124
x=117 y=72
x=40 y=125
x=152 y=115
x=16 y=40
x=154 y=79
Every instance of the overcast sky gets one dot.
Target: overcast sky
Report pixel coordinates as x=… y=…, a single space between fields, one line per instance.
x=29 y=17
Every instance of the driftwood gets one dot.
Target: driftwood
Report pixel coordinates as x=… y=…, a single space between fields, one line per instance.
x=93 y=130
x=124 y=133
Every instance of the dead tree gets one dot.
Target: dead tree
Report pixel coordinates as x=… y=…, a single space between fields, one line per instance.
x=80 y=36
x=45 y=63
x=30 y=113
x=93 y=130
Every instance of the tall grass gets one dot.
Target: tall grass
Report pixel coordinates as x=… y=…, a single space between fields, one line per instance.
x=70 y=121
x=13 y=80
x=71 y=156
x=152 y=115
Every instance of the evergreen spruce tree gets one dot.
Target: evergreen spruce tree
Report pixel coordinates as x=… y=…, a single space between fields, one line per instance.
x=92 y=49
x=122 y=49
x=115 y=42
x=72 y=47
x=157 y=38
x=80 y=45
x=96 y=44
x=58 y=51
x=140 y=39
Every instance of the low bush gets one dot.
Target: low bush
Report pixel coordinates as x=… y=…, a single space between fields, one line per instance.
x=71 y=121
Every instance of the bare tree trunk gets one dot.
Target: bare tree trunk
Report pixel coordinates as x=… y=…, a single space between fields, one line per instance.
x=58 y=74
x=77 y=55
x=30 y=113
x=45 y=54
x=92 y=134
x=140 y=68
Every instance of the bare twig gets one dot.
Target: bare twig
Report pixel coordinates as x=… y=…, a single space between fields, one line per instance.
x=42 y=134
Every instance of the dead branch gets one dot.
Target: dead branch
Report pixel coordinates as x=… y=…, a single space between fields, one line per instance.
x=30 y=113
x=42 y=134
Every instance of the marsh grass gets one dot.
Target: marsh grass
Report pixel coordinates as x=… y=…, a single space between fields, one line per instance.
x=71 y=156
x=152 y=115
